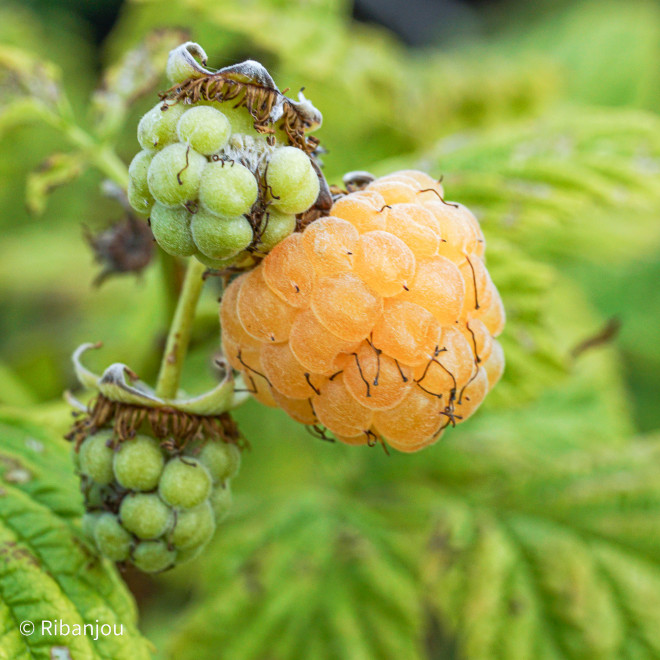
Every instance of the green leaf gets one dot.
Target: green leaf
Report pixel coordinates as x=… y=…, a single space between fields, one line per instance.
x=591 y=69
x=57 y=170
x=47 y=573
x=535 y=552
x=561 y=186
x=316 y=573
x=12 y=389
x=547 y=317
x=514 y=549
x=30 y=88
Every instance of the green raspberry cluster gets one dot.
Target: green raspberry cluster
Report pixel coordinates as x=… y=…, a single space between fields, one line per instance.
x=213 y=186
x=150 y=506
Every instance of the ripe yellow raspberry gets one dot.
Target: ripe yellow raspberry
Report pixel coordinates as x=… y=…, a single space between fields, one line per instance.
x=377 y=322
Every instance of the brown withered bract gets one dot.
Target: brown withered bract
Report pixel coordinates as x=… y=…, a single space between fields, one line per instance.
x=126 y=246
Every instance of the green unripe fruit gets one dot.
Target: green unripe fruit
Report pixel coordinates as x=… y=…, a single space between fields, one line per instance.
x=96 y=457
x=204 y=128
x=184 y=62
x=221 y=501
x=139 y=196
x=227 y=189
x=276 y=227
x=94 y=496
x=153 y=556
x=182 y=556
x=240 y=120
x=174 y=174
x=194 y=527
x=88 y=522
x=146 y=515
x=138 y=463
x=220 y=237
x=171 y=229
x=221 y=459
x=140 y=203
x=157 y=128
x=112 y=540
x=185 y=483
x=138 y=169
x=292 y=180
x=75 y=457
x=216 y=264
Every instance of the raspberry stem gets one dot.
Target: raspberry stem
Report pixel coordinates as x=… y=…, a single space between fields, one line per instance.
x=102 y=156
x=179 y=334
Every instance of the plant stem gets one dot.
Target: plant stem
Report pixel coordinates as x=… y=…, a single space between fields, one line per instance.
x=102 y=156
x=180 y=330
x=172 y=279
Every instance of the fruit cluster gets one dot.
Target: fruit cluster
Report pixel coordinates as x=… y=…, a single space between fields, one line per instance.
x=212 y=185
x=150 y=506
x=375 y=322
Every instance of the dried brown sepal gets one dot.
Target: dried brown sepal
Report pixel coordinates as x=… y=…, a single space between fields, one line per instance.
x=250 y=85
x=124 y=247
x=175 y=428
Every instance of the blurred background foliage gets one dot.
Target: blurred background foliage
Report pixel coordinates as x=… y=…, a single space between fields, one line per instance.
x=533 y=530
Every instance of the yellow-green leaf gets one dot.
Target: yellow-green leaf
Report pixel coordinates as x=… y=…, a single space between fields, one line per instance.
x=57 y=170
x=48 y=575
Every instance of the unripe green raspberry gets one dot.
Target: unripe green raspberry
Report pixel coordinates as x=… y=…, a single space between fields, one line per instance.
x=221 y=501
x=185 y=483
x=75 y=457
x=221 y=459
x=220 y=237
x=88 y=523
x=139 y=196
x=140 y=203
x=94 y=496
x=240 y=120
x=183 y=62
x=205 y=129
x=174 y=174
x=171 y=229
x=157 y=128
x=194 y=527
x=216 y=264
x=153 y=556
x=183 y=556
x=276 y=227
x=96 y=457
x=146 y=515
x=227 y=189
x=138 y=463
x=112 y=540
x=292 y=180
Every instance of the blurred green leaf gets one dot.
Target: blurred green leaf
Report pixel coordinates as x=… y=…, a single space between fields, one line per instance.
x=630 y=294
x=319 y=574
x=515 y=549
x=12 y=390
x=560 y=186
x=57 y=170
x=47 y=572
x=136 y=73
x=606 y=51
x=551 y=554
x=30 y=88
